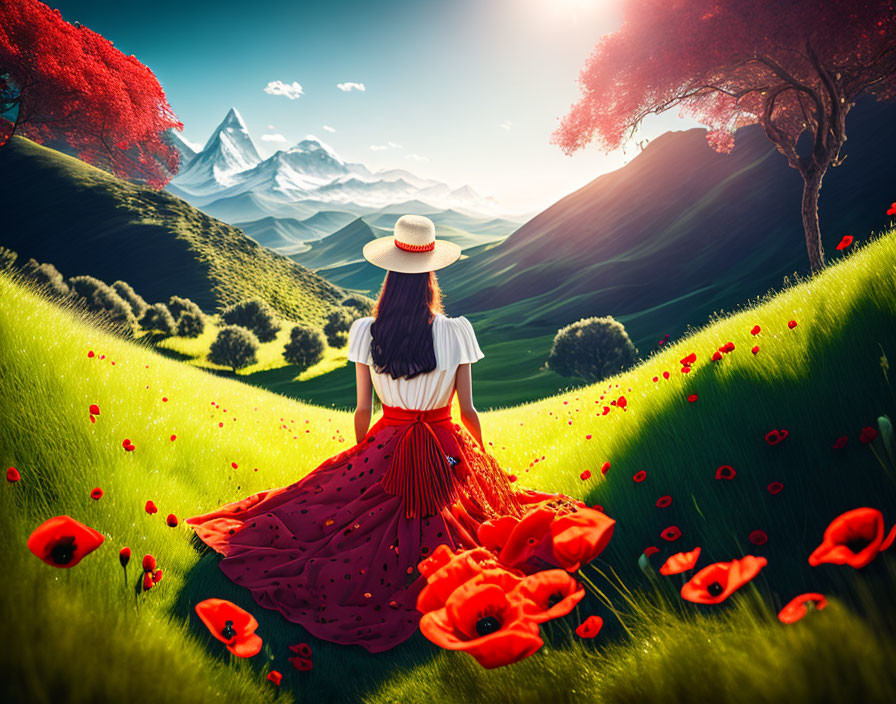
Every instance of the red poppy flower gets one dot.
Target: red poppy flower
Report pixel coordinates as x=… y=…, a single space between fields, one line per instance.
x=799 y=606
x=275 y=677
x=549 y=594
x=605 y=467
x=459 y=570
x=755 y=350
x=685 y=370
x=93 y=419
x=726 y=471
x=727 y=347
x=716 y=582
x=96 y=493
x=580 y=536
x=12 y=475
x=666 y=375
x=492 y=534
x=62 y=541
x=680 y=562
x=853 y=538
x=171 y=520
x=756 y=330
x=758 y=537
x=147 y=582
x=128 y=445
x=150 y=508
x=651 y=550
x=671 y=534
x=157 y=576
x=689 y=360
x=775 y=488
x=590 y=627
x=664 y=501
x=605 y=411
x=844 y=243
x=302 y=664
x=621 y=402
x=481 y=620
x=233 y=626
x=90 y=354
x=791 y=324
x=773 y=437
x=867 y=435
x=302 y=649
x=841 y=442
x=173 y=438
x=124 y=556
x=716 y=356
x=692 y=398
x=94 y=409
x=640 y=476
x=149 y=563
x=585 y=475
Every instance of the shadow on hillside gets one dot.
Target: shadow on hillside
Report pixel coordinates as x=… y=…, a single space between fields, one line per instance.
x=341 y=674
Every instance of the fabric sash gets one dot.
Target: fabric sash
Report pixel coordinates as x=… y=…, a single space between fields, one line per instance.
x=419 y=472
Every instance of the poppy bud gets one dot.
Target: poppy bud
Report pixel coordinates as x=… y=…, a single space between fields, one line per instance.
x=149 y=563
x=275 y=677
x=150 y=507
x=94 y=409
x=12 y=475
x=124 y=556
x=172 y=520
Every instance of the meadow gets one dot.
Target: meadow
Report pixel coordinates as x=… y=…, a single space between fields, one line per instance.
x=85 y=635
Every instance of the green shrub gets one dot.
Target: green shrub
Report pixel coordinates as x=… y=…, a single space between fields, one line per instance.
x=98 y=296
x=592 y=349
x=336 y=329
x=131 y=297
x=234 y=347
x=190 y=324
x=178 y=305
x=157 y=318
x=47 y=278
x=254 y=315
x=359 y=305
x=305 y=347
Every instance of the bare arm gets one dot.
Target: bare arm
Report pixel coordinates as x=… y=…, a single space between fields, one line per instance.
x=468 y=414
x=364 y=404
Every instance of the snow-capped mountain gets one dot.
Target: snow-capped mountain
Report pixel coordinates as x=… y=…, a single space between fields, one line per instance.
x=309 y=172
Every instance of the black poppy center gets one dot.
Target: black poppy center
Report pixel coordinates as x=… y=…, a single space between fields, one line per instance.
x=857 y=544
x=487 y=625
x=714 y=589
x=554 y=599
x=63 y=551
x=228 y=631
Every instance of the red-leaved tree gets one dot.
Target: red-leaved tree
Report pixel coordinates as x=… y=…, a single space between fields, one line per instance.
x=69 y=87
x=793 y=67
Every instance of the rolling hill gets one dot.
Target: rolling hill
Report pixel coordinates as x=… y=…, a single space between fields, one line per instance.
x=679 y=232
x=61 y=210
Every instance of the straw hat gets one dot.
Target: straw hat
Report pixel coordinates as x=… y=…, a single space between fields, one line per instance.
x=412 y=249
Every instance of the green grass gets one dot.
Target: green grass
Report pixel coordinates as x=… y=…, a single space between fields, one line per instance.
x=78 y=635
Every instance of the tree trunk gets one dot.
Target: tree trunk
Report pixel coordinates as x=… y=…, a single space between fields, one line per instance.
x=811 y=187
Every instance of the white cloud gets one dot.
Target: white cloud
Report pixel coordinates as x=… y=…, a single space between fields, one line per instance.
x=346 y=87
x=506 y=125
x=271 y=127
x=290 y=90
x=273 y=138
x=394 y=145
x=416 y=157
x=378 y=147
x=327 y=128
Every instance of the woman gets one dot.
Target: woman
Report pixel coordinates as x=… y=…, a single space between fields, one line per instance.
x=337 y=551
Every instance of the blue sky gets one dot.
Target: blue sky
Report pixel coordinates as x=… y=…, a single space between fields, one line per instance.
x=466 y=91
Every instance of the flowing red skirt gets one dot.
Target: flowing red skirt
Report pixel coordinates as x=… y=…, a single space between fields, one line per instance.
x=337 y=551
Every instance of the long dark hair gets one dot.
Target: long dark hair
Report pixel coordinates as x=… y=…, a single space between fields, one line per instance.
x=402 y=329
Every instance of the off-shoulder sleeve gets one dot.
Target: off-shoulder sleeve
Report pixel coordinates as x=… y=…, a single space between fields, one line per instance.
x=359 y=341
x=465 y=341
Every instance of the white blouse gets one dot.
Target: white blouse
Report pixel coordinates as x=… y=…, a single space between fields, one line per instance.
x=454 y=342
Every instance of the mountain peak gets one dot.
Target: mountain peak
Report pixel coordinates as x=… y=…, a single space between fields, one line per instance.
x=233 y=117
x=311 y=144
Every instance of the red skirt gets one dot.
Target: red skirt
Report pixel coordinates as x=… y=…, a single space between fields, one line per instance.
x=337 y=551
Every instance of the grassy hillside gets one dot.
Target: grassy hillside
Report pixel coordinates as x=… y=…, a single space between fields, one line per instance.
x=60 y=210
x=79 y=635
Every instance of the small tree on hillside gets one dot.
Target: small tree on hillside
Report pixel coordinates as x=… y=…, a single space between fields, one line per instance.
x=190 y=324
x=234 y=347
x=178 y=305
x=357 y=304
x=131 y=297
x=305 y=347
x=336 y=329
x=592 y=349
x=47 y=277
x=254 y=315
x=101 y=298
x=157 y=318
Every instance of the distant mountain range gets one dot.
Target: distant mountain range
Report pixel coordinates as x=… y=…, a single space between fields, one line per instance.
x=229 y=180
